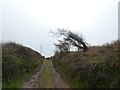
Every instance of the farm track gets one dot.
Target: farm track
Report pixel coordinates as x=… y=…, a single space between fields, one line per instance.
x=46 y=77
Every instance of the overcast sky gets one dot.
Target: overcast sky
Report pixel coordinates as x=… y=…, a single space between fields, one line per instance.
x=28 y=22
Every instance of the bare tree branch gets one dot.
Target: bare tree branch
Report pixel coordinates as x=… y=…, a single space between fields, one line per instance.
x=70 y=38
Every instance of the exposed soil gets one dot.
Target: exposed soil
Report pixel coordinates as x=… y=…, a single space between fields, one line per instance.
x=59 y=83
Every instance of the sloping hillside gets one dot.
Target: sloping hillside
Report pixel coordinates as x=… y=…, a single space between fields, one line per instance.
x=99 y=66
x=18 y=60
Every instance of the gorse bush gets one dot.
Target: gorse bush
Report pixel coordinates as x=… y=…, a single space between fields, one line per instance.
x=18 y=60
x=99 y=66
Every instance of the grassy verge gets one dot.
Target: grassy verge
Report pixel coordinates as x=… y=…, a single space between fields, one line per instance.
x=48 y=81
x=18 y=83
x=71 y=81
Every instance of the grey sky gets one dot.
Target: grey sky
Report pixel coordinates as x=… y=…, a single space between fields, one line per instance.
x=119 y=20
x=28 y=22
x=0 y=21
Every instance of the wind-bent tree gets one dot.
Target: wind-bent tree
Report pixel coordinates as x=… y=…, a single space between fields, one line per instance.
x=70 y=38
x=63 y=46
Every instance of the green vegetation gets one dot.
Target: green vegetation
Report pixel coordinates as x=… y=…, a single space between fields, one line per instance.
x=47 y=75
x=98 y=67
x=18 y=82
x=18 y=63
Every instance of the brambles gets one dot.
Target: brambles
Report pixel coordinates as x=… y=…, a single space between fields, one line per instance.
x=18 y=60
x=97 y=67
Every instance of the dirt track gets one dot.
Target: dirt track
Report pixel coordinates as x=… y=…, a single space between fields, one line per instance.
x=46 y=77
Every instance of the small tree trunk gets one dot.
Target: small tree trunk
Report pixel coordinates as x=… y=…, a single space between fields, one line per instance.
x=84 y=46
